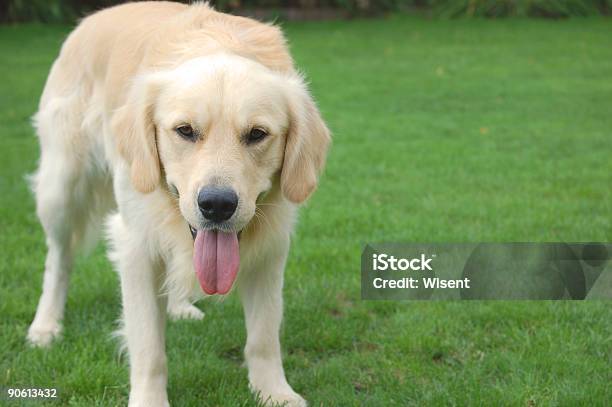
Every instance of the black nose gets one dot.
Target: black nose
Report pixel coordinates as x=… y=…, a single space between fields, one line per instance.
x=217 y=204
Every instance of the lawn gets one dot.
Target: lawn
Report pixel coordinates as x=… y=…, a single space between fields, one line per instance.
x=444 y=131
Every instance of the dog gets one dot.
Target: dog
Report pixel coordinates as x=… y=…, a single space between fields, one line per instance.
x=190 y=136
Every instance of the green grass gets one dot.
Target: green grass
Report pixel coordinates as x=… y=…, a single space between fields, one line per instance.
x=443 y=131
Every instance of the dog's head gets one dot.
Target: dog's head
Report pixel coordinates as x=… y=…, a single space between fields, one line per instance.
x=222 y=129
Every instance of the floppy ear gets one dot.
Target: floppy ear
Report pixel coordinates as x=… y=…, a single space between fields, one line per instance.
x=135 y=133
x=306 y=146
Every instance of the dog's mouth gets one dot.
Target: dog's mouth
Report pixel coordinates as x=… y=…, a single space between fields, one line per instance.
x=216 y=259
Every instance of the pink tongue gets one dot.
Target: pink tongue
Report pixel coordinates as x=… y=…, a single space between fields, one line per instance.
x=216 y=260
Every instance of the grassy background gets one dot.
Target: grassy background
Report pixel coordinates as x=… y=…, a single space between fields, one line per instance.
x=444 y=131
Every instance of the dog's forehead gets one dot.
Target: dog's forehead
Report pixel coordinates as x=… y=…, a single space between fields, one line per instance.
x=222 y=71
x=216 y=85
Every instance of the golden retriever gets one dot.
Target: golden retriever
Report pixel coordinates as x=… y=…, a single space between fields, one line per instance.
x=191 y=133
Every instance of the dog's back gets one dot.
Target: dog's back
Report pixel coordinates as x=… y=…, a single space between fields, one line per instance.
x=96 y=38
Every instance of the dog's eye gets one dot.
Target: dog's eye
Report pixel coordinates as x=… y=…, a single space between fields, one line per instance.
x=256 y=134
x=186 y=131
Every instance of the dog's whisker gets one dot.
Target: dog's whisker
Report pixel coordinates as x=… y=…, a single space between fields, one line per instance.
x=262 y=215
x=269 y=204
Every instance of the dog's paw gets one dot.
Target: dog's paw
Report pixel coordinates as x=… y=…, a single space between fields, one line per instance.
x=151 y=400
x=284 y=398
x=41 y=335
x=185 y=311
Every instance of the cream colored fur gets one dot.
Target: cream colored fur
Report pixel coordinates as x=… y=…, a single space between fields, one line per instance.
x=125 y=79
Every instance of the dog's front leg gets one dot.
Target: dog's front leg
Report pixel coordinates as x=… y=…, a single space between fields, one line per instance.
x=261 y=293
x=144 y=313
